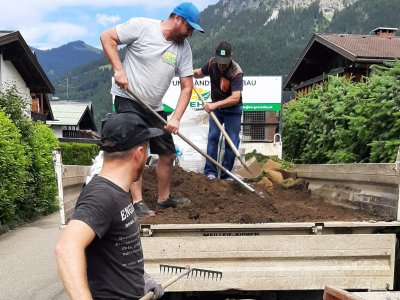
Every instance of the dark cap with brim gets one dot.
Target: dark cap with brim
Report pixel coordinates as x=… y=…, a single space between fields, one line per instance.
x=124 y=131
x=223 y=53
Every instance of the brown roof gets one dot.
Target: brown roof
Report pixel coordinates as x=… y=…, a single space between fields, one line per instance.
x=365 y=46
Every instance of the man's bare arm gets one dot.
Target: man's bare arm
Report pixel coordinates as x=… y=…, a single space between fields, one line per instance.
x=183 y=101
x=71 y=261
x=228 y=102
x=198 y=73
x=110 y=41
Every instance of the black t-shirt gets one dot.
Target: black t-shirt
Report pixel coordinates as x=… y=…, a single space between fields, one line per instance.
x=114 y=258
x=223 y=83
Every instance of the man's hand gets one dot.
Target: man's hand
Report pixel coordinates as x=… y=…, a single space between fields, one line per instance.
x=211 y=106
x=121 y=79
x=150 y=285
x=172 y=126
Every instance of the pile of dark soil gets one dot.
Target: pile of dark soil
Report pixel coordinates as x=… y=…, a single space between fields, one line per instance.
x=221 y=201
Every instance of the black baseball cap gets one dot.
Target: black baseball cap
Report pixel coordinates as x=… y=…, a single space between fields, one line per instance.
x=223 y=53
x=124 y=131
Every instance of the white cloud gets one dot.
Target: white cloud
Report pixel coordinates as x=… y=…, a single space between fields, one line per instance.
x=106 y=20
x=46 y=23
x=54 y=34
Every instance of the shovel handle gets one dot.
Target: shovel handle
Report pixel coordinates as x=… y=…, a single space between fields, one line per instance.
x=228 y=139
x=222 y=129
x=167 y=283
x=135 y=97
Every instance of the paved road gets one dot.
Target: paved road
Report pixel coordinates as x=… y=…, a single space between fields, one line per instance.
x=27 y=263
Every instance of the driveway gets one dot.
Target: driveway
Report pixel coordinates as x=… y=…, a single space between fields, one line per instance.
x=27 y=263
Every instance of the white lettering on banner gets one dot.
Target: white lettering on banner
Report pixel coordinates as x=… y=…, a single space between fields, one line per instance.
x=127 y=211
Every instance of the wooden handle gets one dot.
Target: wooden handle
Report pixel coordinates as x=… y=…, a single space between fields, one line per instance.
x=167 y=283
x=228 y=139
x=194 y=146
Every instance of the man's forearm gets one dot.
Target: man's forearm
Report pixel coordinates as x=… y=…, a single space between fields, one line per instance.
x=182 y=104
x=110 y=47
x=230 y=101
x=184 y=97
x=72 y=268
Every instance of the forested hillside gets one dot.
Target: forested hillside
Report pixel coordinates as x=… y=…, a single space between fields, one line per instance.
x=265 y=42
x=366 y=15
x=56 y=62
x=260 y=49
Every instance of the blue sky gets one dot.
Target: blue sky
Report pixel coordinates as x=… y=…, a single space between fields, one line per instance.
x=48 y=24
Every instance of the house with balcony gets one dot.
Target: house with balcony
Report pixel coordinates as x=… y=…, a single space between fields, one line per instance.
x=73 y=121
x=346 y=55
x=20 y=68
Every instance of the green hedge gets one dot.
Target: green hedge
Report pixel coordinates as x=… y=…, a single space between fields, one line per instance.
x=13 y=169
x=78 y=153
x=43 y=142
x=28 y=186
x=344 y=122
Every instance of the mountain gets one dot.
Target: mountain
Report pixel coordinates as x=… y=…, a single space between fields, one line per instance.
x=57 y=61
x=267 y=36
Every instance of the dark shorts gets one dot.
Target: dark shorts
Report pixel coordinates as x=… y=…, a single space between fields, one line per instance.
x=163 y=145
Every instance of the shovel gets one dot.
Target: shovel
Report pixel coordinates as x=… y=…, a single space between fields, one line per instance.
x=201 y=273
x=227 y=138
x=249 y=188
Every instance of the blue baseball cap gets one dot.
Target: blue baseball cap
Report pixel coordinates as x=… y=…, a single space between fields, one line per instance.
x=190 y=13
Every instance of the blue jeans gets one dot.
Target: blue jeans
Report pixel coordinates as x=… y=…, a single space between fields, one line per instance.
x=231 y=118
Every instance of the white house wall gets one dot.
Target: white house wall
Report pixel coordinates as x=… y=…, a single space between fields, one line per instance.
x=10 y=77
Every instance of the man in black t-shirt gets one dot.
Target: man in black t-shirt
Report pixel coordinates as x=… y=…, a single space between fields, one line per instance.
x=226 y=78
x=99 y=255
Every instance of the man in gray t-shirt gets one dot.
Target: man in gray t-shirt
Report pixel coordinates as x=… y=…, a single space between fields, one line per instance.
x=155 y=52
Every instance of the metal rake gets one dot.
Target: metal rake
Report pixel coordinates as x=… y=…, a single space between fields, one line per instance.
x=193 y=272
x=180 y=272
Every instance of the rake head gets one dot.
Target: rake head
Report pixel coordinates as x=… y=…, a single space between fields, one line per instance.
x=191 y=272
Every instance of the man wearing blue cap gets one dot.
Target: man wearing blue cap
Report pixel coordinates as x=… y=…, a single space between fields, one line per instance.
x=155 y=51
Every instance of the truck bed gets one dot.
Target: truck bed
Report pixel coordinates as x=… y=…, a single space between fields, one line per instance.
x=279 y=256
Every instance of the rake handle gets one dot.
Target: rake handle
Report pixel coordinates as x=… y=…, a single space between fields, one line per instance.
x=134 y=96
x=167 y=283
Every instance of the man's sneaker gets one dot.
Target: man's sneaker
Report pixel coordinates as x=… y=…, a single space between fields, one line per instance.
x=142 y=210
x=172 y=202
x=211 y=177
x=229 y=179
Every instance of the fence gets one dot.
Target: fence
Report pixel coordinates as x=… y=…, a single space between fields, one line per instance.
x=70 y=180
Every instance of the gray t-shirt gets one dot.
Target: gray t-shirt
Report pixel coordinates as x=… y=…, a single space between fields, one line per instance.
x=151 y=61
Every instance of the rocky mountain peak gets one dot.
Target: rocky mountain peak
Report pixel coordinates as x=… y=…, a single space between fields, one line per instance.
x=328 y=7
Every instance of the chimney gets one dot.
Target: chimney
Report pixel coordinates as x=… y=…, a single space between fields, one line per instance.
x=385 y=31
